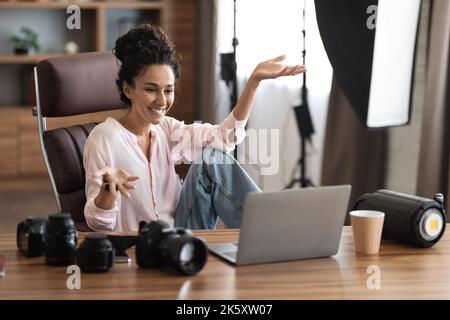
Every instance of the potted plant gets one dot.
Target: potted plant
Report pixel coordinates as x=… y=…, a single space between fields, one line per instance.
x=24 y=42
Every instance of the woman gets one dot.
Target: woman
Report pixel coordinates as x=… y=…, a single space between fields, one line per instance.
x=129 y=162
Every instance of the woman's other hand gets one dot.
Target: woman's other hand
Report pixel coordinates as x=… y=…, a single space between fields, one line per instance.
x=114 y=180
x=273 y=68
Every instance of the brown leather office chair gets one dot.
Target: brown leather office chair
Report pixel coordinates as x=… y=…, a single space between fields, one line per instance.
x=67 y=86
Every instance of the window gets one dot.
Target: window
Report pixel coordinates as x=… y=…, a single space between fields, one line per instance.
x=265 y=29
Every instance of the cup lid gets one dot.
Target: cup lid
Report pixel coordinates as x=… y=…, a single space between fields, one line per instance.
x=367 y=213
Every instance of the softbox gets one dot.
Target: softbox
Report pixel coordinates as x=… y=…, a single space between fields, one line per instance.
x=371 y=47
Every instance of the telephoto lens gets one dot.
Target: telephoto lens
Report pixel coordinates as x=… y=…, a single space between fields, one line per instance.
x=160 y=245
x=95 y=254
x=60 y=240
x=30 y=237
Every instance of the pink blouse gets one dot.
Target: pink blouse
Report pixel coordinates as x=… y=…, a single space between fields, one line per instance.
x=158 y=187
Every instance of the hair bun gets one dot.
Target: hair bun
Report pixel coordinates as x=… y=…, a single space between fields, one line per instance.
x=142 y=40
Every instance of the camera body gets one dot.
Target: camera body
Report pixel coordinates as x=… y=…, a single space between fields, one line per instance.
x=160 y=245
x=30 y=237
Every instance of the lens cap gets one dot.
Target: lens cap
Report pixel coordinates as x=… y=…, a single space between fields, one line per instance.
x=60 y=219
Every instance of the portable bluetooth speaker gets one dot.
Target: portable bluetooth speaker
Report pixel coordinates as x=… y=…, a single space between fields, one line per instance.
x=414 y=220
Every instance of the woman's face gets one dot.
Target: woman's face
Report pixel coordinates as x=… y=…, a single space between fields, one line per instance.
x=153 y=92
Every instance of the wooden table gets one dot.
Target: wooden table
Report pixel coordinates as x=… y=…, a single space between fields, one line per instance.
x=405 y=273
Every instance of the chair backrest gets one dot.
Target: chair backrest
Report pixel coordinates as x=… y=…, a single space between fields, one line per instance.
x=73 y=85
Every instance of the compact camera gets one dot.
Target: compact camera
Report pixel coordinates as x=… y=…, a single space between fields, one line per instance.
x=160 y=245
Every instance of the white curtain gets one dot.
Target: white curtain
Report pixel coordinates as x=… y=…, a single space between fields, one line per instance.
x=265 y=29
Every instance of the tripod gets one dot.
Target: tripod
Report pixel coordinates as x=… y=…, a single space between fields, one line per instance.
x=229 y=69
x=305 y=126
x=304 y=123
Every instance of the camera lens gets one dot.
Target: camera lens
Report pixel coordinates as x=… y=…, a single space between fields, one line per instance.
x=95 y=254
x=185 y=253
x=60 y=240
x=160 y=245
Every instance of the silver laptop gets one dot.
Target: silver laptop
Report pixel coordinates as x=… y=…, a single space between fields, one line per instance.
x=288 y=225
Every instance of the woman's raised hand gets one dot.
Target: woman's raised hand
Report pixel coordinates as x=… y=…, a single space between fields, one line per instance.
x=114 y=180
x=273 y=68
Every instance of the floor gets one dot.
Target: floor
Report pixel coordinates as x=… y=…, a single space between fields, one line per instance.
x=23 y=198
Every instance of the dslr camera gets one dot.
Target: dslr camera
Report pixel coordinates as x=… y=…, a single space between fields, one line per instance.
x=160 y=245
x=55 y=237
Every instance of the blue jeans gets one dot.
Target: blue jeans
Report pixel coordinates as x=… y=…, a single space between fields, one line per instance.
x=214 y=187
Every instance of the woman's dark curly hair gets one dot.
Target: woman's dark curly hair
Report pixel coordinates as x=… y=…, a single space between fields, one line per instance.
x=140 y=47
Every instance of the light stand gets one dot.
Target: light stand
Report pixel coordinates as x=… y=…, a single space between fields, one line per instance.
x=229 y=69
x=304 y=123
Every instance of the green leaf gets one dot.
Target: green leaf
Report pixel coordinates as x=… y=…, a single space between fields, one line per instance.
x=29 y=39
x=16 y=39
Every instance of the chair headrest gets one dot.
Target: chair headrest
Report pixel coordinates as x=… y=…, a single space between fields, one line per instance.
x=77 y=84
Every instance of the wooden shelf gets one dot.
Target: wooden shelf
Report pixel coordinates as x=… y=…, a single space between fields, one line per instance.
x=83 y=5
x=157 y=5
x=26 y=59
x=20 y=153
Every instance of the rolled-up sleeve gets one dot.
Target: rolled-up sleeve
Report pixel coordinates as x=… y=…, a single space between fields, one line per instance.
x=94 y=159
x=186 y=139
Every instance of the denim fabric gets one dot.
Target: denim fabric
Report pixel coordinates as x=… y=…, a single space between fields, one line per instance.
x=215 y=186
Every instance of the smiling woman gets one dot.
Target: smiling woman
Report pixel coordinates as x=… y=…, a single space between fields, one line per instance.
x=144 y=46
x=129 y=162
x=152 y=93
